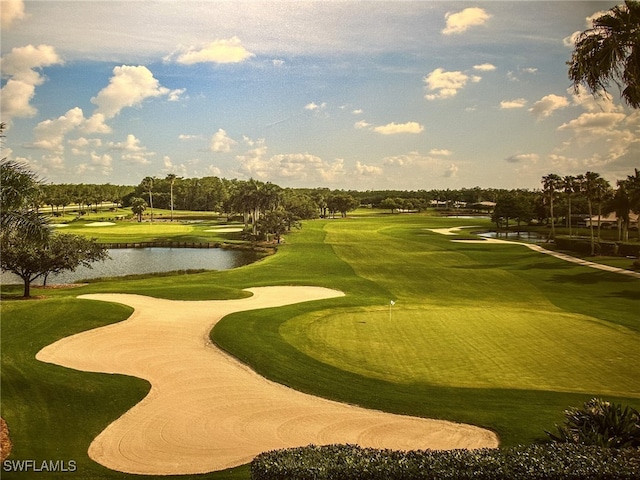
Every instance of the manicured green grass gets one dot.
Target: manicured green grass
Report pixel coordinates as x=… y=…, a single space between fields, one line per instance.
x=494 y=335
x=129 y=231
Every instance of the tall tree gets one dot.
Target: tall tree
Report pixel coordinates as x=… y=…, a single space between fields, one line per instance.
x=60 y=252
x=633 y=187
x=569 y=186
x=147 y=184
x=551 y=184
x=589 y=185
x=610 y=52
x=171 y=178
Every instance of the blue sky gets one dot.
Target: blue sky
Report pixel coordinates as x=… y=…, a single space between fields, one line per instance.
x=355 y=95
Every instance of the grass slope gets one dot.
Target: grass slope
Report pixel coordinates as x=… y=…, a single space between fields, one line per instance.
x=495 y=335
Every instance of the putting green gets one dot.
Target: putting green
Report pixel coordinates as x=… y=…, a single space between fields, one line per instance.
x=473 y=347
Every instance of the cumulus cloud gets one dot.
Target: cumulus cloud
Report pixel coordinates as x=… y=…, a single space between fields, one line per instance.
x=132 y=150
x=440 y=151
x=570 y=41
x=19 y=67
x=12 y=11
x=446 y=84
x=517 y=103
x=221 y=142
x=219 y=51
x=547 y=105
x=600 y=103
x=523 y=158
x=361 y=125
x=451 y=171
x=594 y=123
x=291 y=168
x=50 y=134
x=484 y=67
x=367 y=170
x=314 y=106
x=460 y=22
x=397 y=128
x=128 y=87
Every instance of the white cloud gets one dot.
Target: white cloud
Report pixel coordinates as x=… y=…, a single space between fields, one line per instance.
x=397 y=128
x=50 y=134
x=451 y=171
x=357 y=111
x=184 y=136
x=219 y=51
x=416 y=158
x=446 y=84
x=444 y=152
x=314 y=106
x=19 y=66
x=290 y=167
x=12 y=11
x=509 y=104
x=594 y=123
x=523 y=157
x=277 y=63
x=484 y=67
x=367 y=170
x=361 y=125
x=461 y=21
x=221 y=142
x=80 y=145
x=133 y=151
x=547 y=105
x=128 y=87
x=600 y=103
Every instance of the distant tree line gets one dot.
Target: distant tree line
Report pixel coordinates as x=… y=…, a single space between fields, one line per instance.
x=560 y=201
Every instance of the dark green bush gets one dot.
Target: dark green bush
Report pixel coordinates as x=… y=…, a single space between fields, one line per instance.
x=553 y=461
x=600 y=423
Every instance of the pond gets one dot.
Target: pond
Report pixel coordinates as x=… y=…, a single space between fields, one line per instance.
x=127 y=261
x=533 y=237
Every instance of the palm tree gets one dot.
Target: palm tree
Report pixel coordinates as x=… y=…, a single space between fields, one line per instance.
x=610 y=52
x=171 y=178
x=621 y=205
x=602 y=193
x=569 y=185
x=589 y=186
x=147 y=184
x=551 y=183
x=633 y=187
x=18 y=187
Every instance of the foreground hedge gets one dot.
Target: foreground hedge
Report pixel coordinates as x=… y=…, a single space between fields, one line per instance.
x=533 y=462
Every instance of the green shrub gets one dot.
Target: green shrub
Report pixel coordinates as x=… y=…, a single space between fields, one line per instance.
x=600 y=423
x=534 y=462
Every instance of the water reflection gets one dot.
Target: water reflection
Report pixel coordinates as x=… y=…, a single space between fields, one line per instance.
x=128 y=261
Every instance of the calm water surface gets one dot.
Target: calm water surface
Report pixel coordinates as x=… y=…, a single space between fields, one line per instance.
x=127 y=261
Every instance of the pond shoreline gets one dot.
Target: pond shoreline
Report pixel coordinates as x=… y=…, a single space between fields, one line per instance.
x=268 y=250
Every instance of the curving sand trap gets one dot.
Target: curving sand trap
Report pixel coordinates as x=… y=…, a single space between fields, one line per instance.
x=225 y=230
x=206 y=411
x=450 y=231
x=99 y=224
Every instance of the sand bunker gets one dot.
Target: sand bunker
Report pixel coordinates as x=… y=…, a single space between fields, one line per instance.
x=450 y=231
x=206 y=411
x=225 y=230
x=99 y=224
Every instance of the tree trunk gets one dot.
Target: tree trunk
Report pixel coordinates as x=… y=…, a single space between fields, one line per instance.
x=570 y=216
x=593 y=246
x=553 y=223
x=27 y=287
